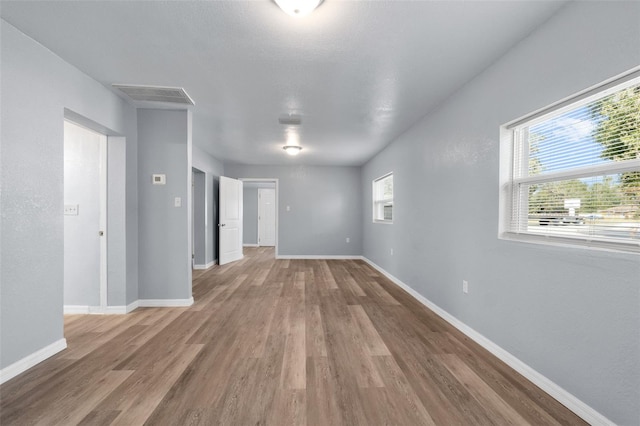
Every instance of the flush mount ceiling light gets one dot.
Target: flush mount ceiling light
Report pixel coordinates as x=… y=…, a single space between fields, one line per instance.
x=298 y=7
x=292 y=149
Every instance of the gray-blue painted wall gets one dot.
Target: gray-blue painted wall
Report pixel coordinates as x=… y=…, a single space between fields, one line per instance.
x=250 y=215
x=325 y=207
x=164 y=258
x=36 y=88
x=572 y=314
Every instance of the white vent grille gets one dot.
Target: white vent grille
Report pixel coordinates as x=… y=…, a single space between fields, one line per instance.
x=290 y=120
x=174 y=95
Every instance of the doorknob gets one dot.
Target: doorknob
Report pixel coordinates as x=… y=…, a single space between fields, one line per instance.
x=101 y=233
x=222 y=224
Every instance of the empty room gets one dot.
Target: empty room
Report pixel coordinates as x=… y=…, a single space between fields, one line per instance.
x=320 y=212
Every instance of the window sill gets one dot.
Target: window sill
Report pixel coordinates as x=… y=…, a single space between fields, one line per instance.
x=602 y=245
x=383 y=222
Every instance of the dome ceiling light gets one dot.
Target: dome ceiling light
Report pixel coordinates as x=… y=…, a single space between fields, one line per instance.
x=292 y=149
x=298 y=7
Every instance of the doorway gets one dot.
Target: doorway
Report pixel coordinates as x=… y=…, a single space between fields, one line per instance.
x=199 y=212
x=85 y=220
x=260 y=220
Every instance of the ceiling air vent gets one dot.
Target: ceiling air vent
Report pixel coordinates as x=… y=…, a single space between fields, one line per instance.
x=174 y=95
x=290 y=120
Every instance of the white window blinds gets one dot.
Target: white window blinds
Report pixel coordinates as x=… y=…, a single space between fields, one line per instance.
x=383 y=199
x=576 y=169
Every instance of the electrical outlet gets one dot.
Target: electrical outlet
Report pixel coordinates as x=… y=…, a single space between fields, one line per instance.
x=391 y=252
x=177 y=202
x=348 y=239
x=465 y=286
x=71 y=210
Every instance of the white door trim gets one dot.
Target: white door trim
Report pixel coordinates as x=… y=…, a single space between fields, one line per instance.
x=277 y=182
x=103 y=215
x=103 y=220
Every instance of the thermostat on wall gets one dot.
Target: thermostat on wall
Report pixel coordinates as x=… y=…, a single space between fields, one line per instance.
x=159 y=179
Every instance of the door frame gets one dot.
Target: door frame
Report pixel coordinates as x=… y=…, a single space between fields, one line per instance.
x=103 y=182
x=276 y=181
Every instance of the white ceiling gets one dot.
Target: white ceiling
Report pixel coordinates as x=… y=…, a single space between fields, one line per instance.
x=359 y=73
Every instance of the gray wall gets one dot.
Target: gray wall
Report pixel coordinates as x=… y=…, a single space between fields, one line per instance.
x=571 y=314
x=213 y=169
x=36 y=88
x=326 y=205
x=250 y=214
x=164 y=259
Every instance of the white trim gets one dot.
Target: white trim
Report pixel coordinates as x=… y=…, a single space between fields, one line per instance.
x=583 y=96
x=99 y=310
x=207 y=266
x=132 y=306
x=104 y=281
x=156 y=303
x=567 y=399
x=29 y=361
x=318 y=256
x=250 y=245
x=76 y=309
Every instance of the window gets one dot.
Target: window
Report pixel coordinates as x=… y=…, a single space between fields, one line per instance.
x=383 y=199
x=571 y=172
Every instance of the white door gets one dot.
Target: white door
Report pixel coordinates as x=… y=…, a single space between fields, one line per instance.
x=230 y=226
x=85 y=217
x=266 y=217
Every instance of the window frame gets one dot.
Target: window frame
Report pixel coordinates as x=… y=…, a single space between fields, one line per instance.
x=376 y=202
x=514 y=153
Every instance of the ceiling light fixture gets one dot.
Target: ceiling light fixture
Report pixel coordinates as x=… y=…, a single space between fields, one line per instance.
x=298 y=7
x=292 y=149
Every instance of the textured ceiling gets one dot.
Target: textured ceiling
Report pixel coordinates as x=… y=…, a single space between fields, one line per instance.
x=359 y=73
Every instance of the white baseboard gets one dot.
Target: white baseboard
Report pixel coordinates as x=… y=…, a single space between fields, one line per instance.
x=318 y=256
x=250 y=245
x=567 y=399
x=207 y=266
x=156 y=303
x=132 y=306
x=98 y=310
x=29 y=361
x=76 y=309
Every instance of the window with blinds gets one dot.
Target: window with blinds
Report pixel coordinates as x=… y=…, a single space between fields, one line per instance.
x=383 y=199
x=575 y=169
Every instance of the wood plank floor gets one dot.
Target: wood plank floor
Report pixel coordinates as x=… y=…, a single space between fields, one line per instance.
x=276 y=342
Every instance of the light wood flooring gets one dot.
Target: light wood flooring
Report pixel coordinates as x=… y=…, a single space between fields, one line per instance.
x=276 y=342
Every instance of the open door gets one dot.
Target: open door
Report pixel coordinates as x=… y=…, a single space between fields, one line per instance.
x=230 y=226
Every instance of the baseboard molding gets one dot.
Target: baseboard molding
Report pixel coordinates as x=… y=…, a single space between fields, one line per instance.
x=318 y=256
x=250 y=245
x=76 y=309
x=29 y=361
x=203 y=267
x=159 y=303
x=132 y=306
x=567 y=399
x=97 y=310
